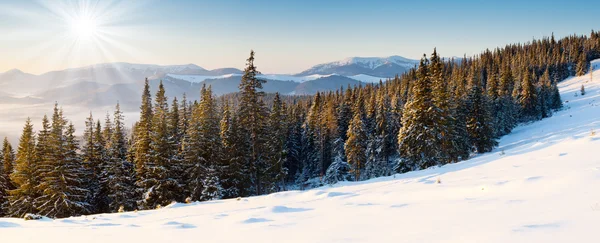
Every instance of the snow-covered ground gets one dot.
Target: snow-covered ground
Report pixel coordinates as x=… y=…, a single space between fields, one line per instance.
x=542 y=184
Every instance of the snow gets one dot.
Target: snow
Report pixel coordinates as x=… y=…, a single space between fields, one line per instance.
x=540 y=185
x=368 y=62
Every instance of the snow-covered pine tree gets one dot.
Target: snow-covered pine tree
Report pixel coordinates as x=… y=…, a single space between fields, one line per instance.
x=8 y=161
x=382 y=142
x=158 y=187
x=313 y=165
x=24 y=177
x=338 y=171
x=120 y=171
x=142 y=137
x=582 y=64
x=506 y=110
x=356 y=146
x=479 y=123
x=203 y=147
x=234 y=177
x=275 y=174
x=211 y=186
x=441 y=115
x=528 y=99
x=251 y=113
x=176 y=127
x=62 y=175
x=419 y=138
x=92 y=155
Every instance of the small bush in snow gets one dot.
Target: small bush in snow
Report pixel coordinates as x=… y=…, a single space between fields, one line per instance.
x=592 y=133
x=439 y=180
x=31 y=216
x=239 y=198
x=121 y=209
x=188 y=200
x=158 y=206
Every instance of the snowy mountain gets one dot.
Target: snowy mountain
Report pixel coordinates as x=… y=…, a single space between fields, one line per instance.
x=539 y=185
x=382 y=67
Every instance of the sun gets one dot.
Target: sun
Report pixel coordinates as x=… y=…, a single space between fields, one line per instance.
x=84 y=28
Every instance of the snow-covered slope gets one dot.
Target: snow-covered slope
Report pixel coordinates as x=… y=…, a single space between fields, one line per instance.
x=540 y=185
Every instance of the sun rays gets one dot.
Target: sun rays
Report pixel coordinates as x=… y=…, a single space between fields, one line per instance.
x=74 y=33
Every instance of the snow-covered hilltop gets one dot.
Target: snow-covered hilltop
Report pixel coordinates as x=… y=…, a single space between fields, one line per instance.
x=383 y=67
x=539 y=185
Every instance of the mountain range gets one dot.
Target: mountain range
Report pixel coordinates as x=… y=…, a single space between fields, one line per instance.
x=104 y=84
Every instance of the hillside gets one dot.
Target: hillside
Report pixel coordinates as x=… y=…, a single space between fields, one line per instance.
x=539 y=185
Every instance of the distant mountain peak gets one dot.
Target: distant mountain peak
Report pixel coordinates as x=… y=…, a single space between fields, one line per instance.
x=383 y=67
x=14 y=71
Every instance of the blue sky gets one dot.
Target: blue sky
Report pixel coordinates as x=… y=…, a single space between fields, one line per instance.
x=288 y=36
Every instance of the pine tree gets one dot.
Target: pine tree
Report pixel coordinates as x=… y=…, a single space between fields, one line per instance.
x=275 y=172
x=203 y=149
x=479 y=126
x=25 y=176
x=5 y=171
x=382 y=142
x=356 y=146
x=158 y=186
x=442 y=118
x=338 y=171
x=61 y=173
x=582 y=65
x=142 y=142
x=176 y=128
x=92 y=156
x=528 y=99
x=234 y=178
x=120 y=171
x=8 y=160
x=251 y=114
x=419 y=138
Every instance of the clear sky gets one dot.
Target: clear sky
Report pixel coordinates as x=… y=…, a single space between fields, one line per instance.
x=288 y=36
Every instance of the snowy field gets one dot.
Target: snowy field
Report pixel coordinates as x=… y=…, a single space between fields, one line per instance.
x=542 y=184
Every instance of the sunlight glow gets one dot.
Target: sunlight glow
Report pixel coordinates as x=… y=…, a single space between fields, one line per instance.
x=62 y=34
x=84 y=28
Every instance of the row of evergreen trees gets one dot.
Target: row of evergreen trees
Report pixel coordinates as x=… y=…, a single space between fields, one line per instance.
x=251 y=143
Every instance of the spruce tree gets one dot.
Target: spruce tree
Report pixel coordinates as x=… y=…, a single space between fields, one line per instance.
x=8 y=160
x=582 y=65
x=202 y=154
x=253 y=132
x=528 y=99
x=479 y=126
x=92 y=155
x=158 y=186
x=441 y=115
x=356 y=146
x=419 y=138
x=234 y=178
x=120 y=171
x=25 y=176
x=142 y=136
x=61 y=172
x=276 y=172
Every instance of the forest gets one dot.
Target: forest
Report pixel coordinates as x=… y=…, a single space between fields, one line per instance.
x=251 y=143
